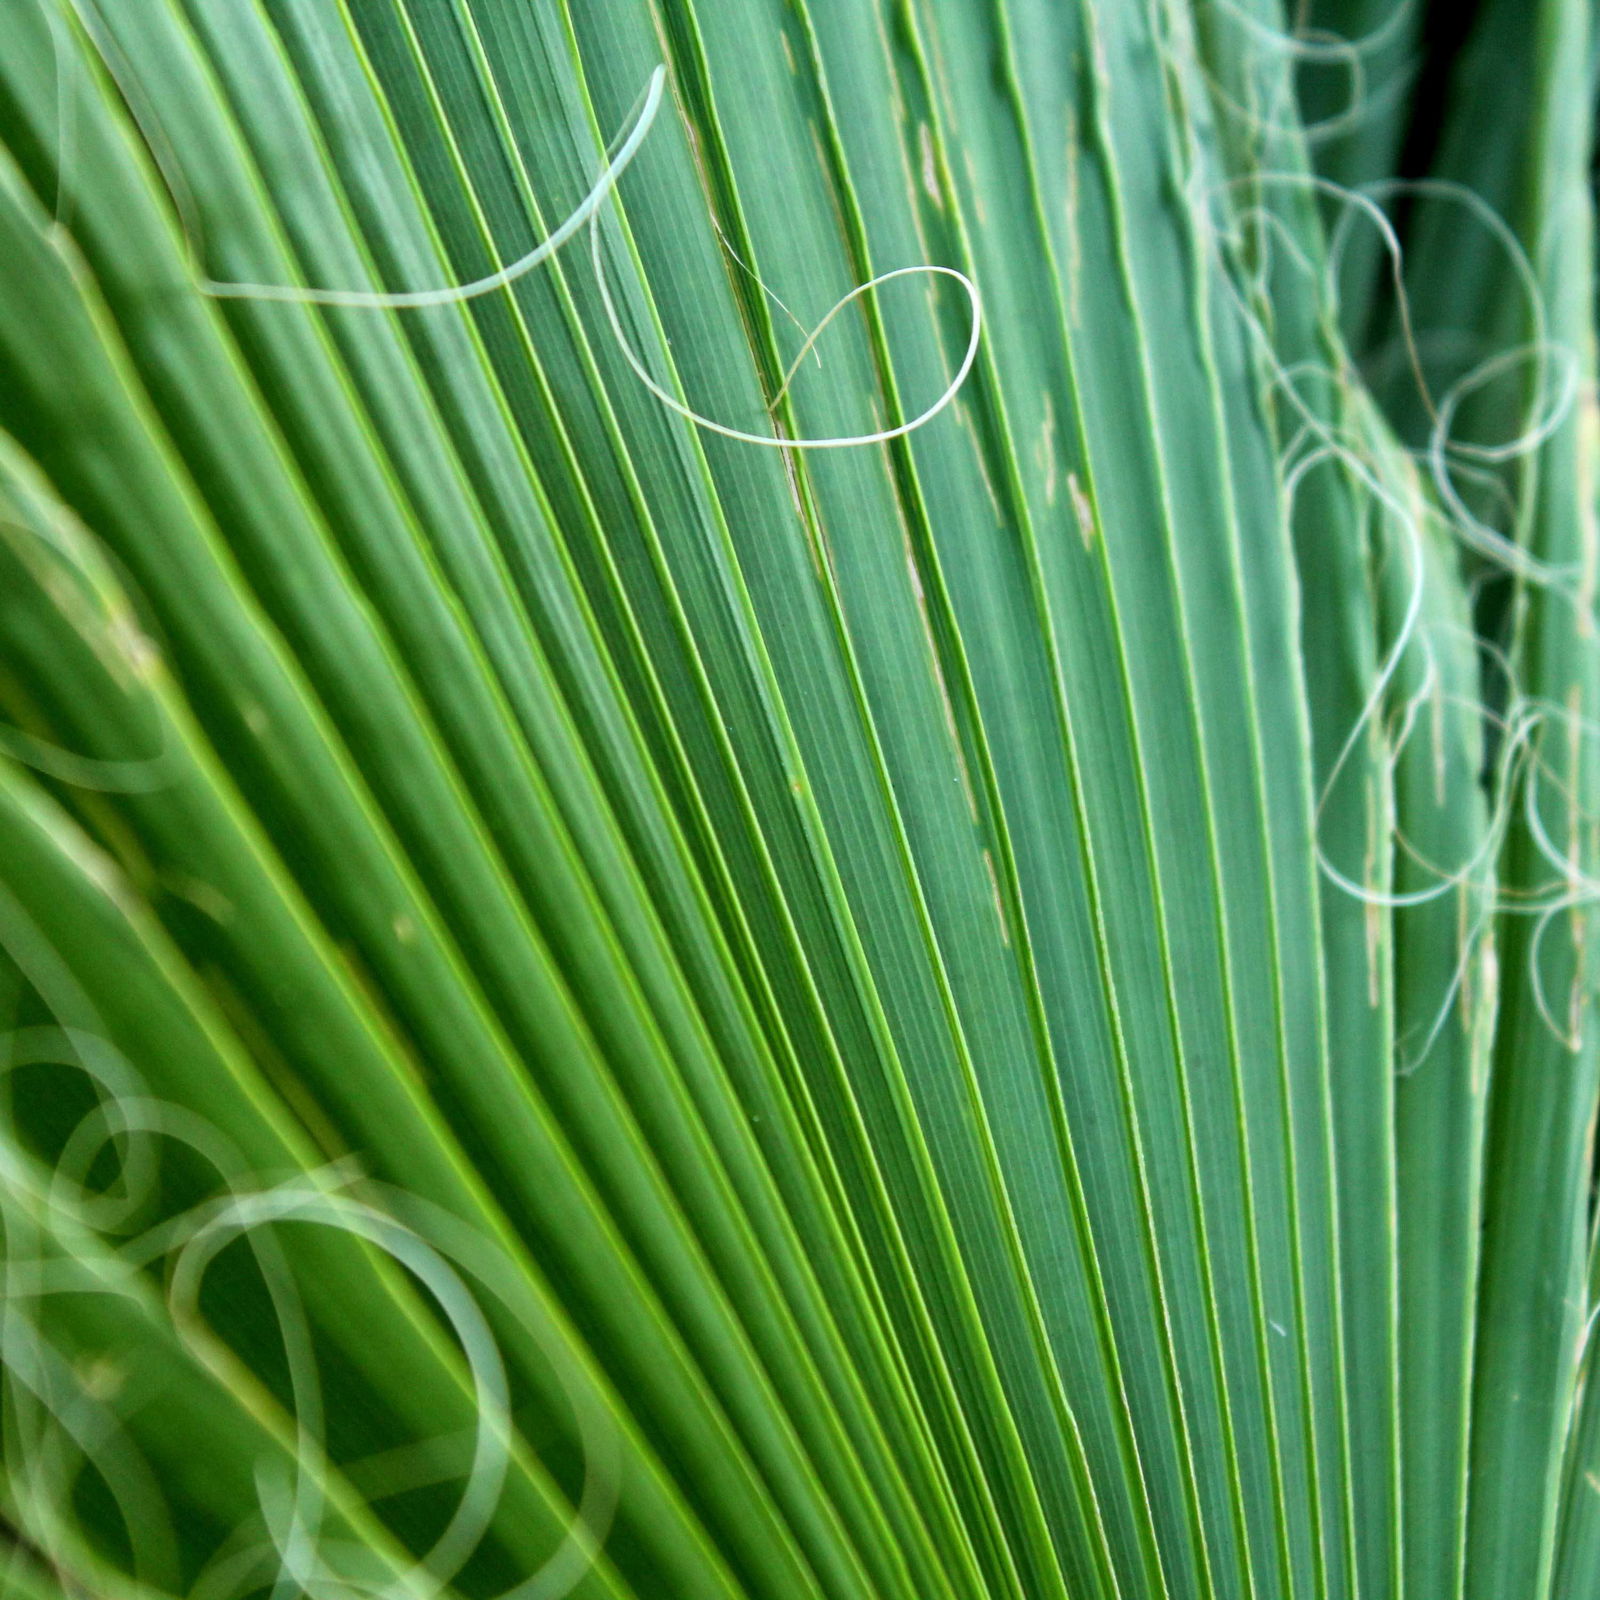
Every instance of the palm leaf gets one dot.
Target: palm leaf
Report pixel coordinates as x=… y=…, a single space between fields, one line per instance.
x=598 y=1006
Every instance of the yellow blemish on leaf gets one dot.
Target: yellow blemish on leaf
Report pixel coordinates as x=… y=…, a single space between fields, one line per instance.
x=999 y=903
x=1047 y=451
x=930 y=167
x=1083 y=511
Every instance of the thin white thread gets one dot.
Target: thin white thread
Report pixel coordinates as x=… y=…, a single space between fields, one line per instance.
x=42 y=1200
x=589 y=211
x=882 y=436
x=407 y=299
